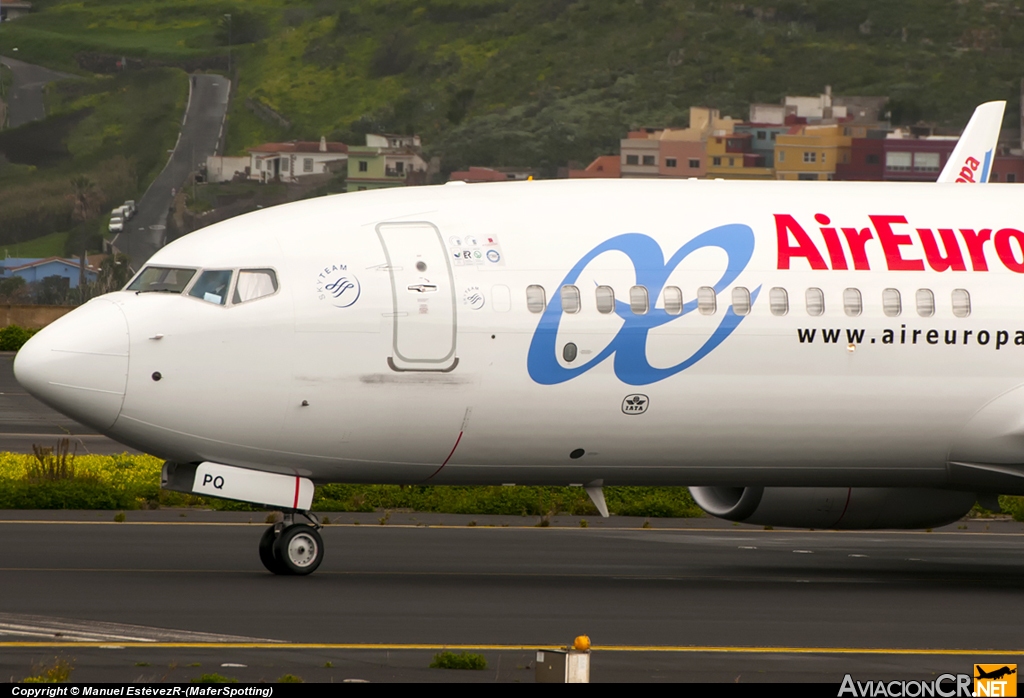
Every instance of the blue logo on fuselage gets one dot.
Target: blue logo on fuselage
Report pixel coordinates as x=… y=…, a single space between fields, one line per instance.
x=630 y=343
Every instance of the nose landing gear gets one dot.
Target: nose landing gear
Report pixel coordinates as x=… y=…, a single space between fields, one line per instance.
x=290 y=548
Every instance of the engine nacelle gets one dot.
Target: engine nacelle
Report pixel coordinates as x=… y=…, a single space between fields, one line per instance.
x=847 y=508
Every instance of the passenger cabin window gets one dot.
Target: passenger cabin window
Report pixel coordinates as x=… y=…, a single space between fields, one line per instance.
x=853 y=304
x=673 y=299
x=161 y=280
x=961 y=302
x=535 y=298
x=253 y=284
x=570 y=299
x=925 y=302
x=707 y=302
x=605 y=299
x=638 y=301
x=891 y=303
x=740 y=300
x=778 y=301
x=815 y=299
x=212 y=286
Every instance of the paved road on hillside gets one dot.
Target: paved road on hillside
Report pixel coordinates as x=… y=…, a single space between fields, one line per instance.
x=703 y=584
x=25 y=421
x=25 y=102
x=199 y=138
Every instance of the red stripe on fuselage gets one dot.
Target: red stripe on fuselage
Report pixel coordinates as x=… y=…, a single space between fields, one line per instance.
x=849 y=491
x=449 y=456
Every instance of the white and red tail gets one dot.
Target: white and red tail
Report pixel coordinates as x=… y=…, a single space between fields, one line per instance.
x=971 y=160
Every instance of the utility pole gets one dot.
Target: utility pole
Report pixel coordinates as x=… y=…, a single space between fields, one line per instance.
x=3 y=112
x=229 y=45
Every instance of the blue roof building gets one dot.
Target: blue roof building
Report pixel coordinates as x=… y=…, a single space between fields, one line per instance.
x=38 y=269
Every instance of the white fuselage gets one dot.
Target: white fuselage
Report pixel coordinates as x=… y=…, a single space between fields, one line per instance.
x=400 y=348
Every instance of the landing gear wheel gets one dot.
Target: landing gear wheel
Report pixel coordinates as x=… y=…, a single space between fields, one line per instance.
x=267 y=556
x=299 y=549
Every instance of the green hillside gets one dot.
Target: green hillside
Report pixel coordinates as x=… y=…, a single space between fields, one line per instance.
x=522 y=82
x=114 y=131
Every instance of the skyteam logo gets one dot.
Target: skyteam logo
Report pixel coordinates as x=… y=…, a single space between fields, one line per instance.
x=629 y=346
x=337 y=285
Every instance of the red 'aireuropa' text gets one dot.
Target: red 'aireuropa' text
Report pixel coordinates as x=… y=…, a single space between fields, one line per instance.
x=944 y=248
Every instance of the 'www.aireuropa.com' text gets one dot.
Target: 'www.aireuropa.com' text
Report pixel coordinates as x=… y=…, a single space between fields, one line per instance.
x=903 y=336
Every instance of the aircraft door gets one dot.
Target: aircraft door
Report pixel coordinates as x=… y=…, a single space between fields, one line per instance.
x=423 y=294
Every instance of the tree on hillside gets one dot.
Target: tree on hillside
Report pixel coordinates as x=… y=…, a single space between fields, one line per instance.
x=241 y=27
x=114 y=274
x=85 y=200
x=53 y=290
x=394 y=55
x=13 y=290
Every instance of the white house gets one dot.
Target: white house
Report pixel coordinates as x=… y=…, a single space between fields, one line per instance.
x=291 y=161
x=224 y=168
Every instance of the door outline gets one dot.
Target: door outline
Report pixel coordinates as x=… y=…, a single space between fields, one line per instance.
x=450 y=356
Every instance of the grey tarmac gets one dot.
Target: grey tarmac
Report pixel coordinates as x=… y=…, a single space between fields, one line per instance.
x=25 y=422
x=25 y=102
x=684 y=600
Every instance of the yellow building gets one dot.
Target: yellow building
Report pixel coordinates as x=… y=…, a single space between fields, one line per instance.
x=731 y=156
x=812 y=152
x=673 y=152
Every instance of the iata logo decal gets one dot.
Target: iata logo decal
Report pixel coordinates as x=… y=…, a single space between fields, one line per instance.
x=336 y=285
x=635 y=404
x=629 y=345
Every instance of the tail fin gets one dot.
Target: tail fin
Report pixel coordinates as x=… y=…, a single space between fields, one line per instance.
x=971 y=159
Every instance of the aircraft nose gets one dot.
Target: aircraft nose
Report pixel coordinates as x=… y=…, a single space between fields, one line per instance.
x=79 y=364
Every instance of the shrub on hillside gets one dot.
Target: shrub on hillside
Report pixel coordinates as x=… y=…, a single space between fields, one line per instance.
x=1014 y=506
x=12 y=337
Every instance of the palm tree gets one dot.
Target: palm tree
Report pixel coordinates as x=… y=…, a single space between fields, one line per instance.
x=85 y=200
x=114 y=273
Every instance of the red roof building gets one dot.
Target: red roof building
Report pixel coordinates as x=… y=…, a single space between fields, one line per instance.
x=289 y=162
x=604 y=166
x=492 y=174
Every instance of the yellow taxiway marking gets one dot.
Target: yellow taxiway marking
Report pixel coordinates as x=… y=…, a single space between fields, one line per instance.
x=517 y=648
x=524 y=527
x=434 y=573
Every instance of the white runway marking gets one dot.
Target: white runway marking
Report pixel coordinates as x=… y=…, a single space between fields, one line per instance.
x=69 y=630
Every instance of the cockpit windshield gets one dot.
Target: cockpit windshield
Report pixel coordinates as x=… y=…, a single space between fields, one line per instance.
x=161 y=280
x=212 y=286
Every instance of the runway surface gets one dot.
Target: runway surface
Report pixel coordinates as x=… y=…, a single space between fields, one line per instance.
x=169 y=595
x=694 y=601
x=24 y=421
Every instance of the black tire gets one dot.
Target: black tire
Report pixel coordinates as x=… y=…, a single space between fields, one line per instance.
x=267 y=556
x=299 y=549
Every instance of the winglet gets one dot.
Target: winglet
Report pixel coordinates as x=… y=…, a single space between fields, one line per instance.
x=971 y=159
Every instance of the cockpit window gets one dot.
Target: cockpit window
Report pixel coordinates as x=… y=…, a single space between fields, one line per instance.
x=161 y=280
x=212 y=286
x=254 y=283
